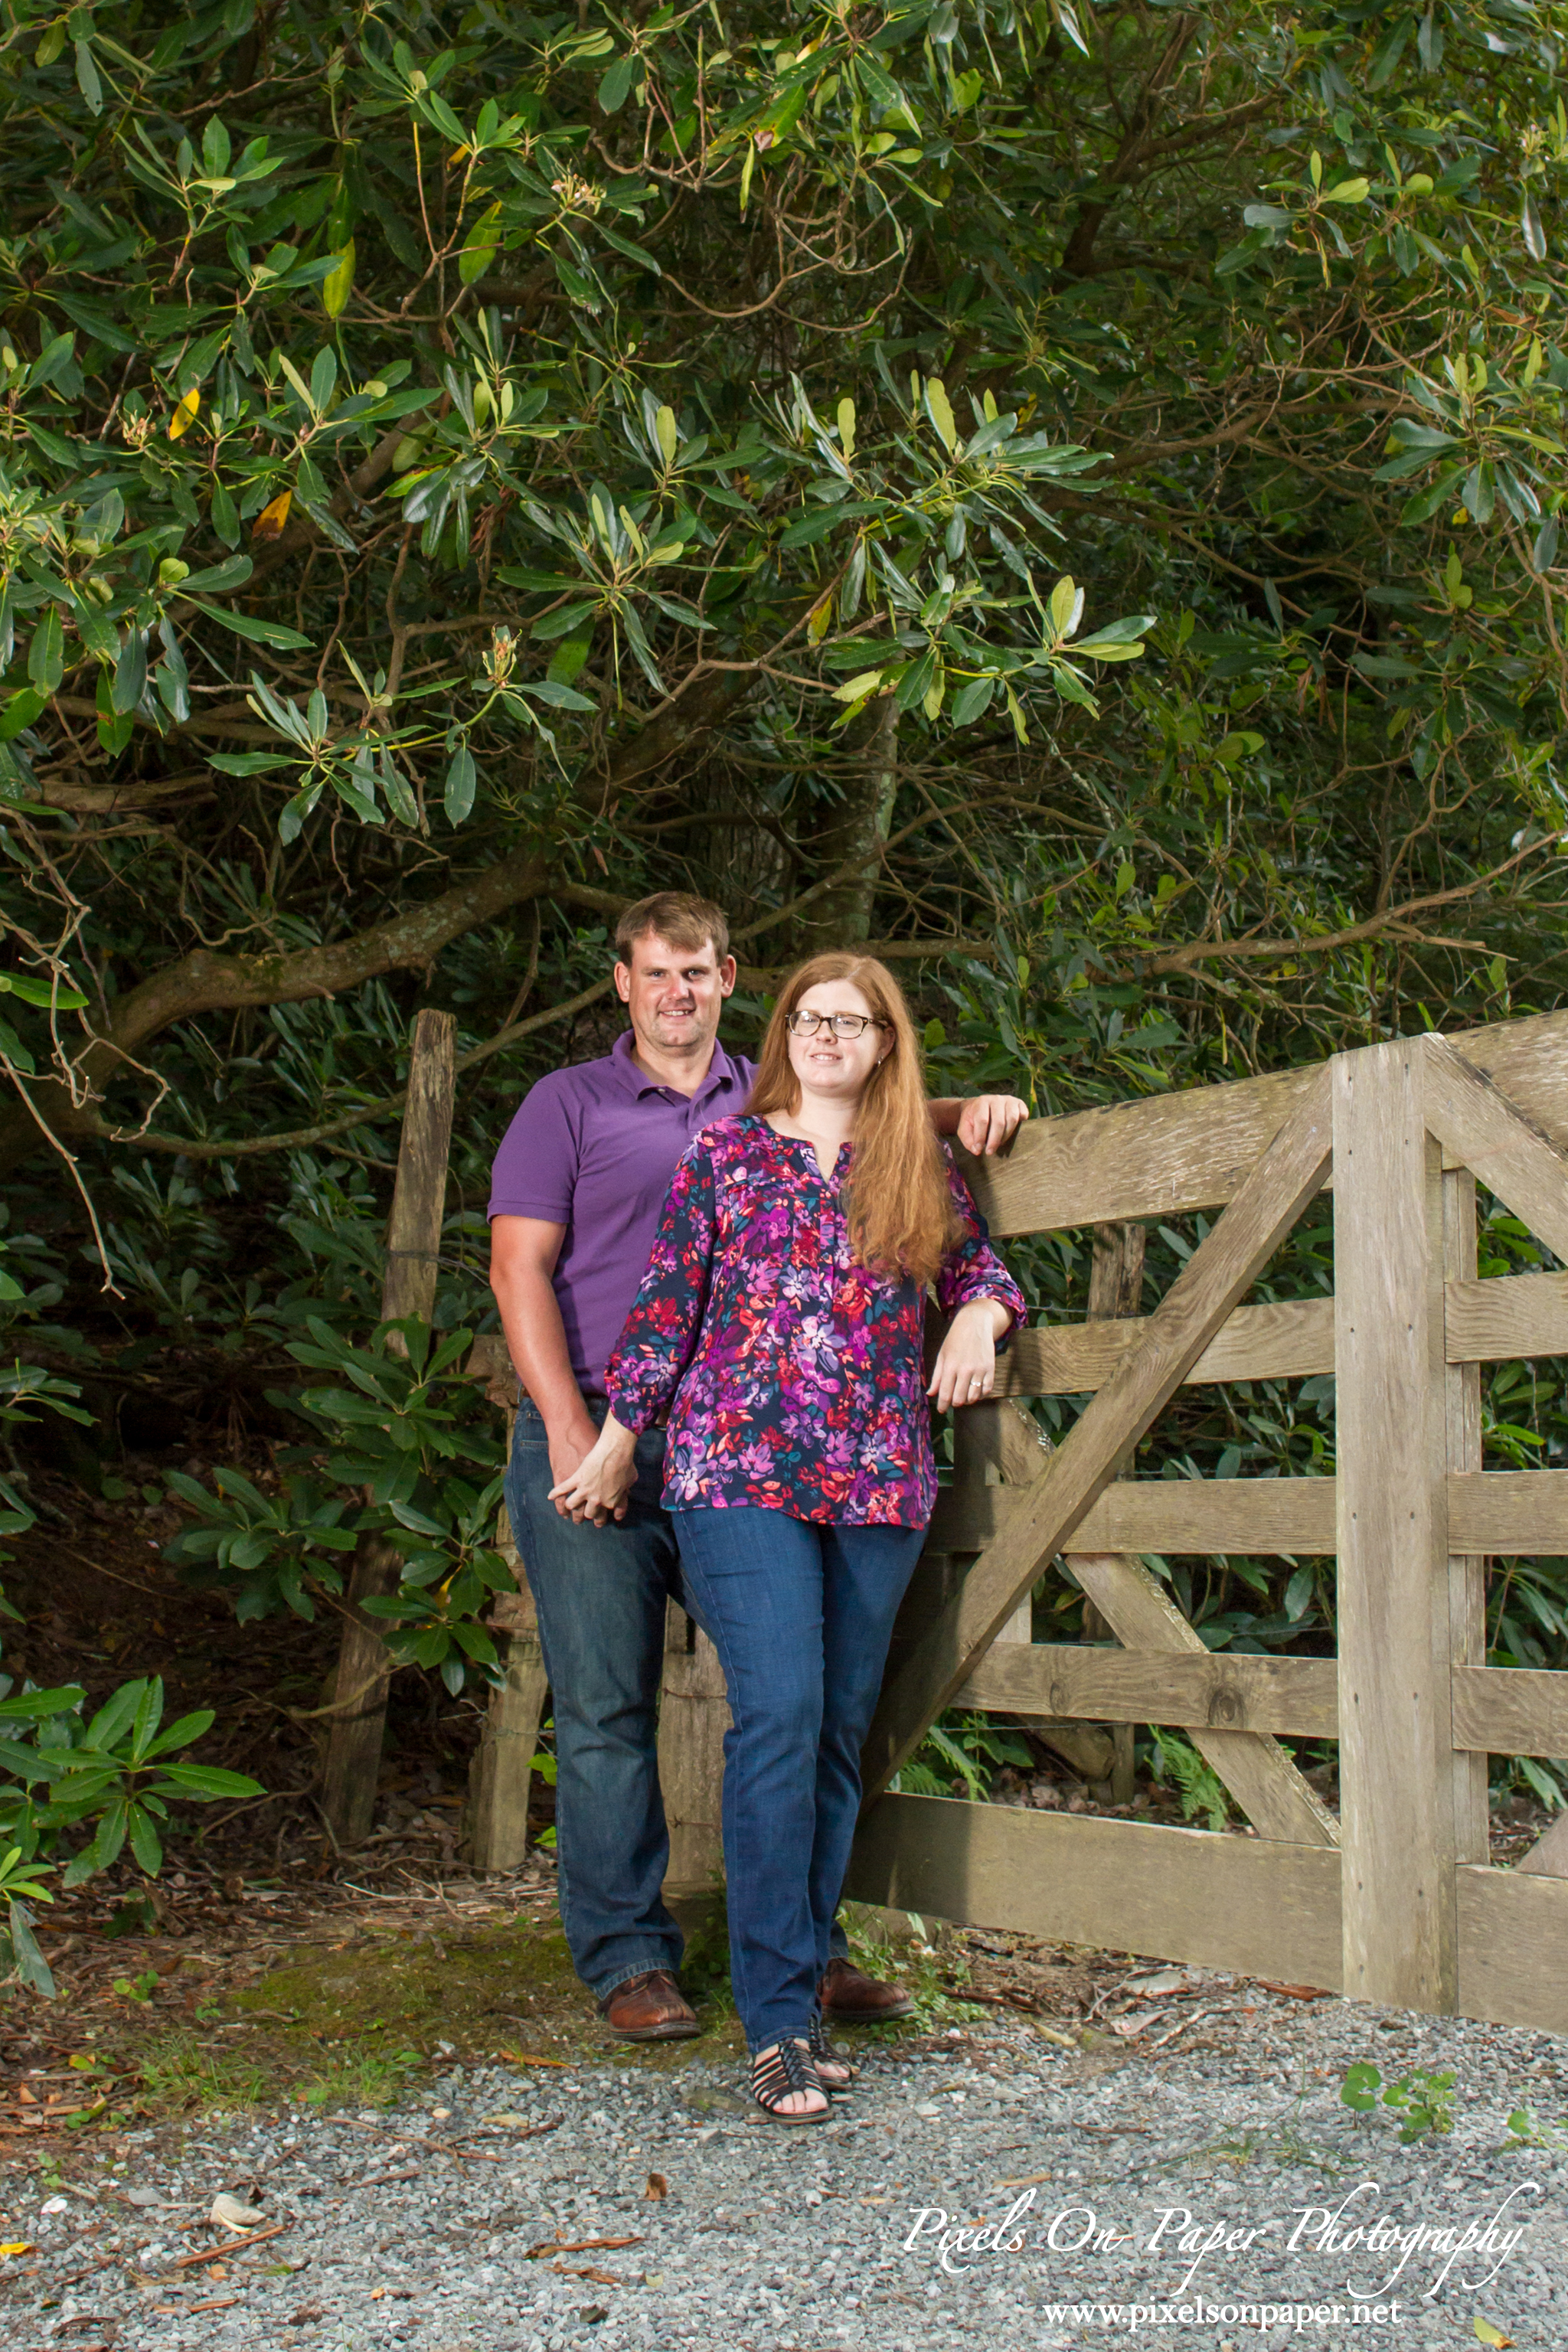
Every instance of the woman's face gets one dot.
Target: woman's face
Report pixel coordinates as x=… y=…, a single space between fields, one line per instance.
x=829 y=1068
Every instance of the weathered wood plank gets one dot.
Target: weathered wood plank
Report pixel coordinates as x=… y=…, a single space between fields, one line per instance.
x=408 y=1288
x=1509 y=1710
x=1514 y=1932
x=1219 y=1690
x=1509 y=1511
x=1505 y=1317
x=1168 y=1516
x=1169 y=1153
x=1290 y=1340
x=1466 y=1581
x=1396 y=1815
x=1498 y=1141
x=1242 y=1902
x=693 y=1717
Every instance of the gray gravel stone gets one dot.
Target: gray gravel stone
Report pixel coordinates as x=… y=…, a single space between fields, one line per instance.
x=993 y=2187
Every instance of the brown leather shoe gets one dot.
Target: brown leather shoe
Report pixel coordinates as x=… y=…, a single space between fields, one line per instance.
x=649 y=2008
x=852 y=1998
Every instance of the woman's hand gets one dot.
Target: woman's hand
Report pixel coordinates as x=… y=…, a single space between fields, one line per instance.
x=600 y=1487
x=966 y=1369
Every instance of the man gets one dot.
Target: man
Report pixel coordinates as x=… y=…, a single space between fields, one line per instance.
x=579 y=1182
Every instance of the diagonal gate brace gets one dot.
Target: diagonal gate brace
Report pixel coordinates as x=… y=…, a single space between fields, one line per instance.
x=1261 y=1213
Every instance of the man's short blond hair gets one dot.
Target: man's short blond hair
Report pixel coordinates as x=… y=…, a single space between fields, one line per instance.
x=678 y=916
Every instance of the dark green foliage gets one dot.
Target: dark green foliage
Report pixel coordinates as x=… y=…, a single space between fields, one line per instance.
x=461 y=467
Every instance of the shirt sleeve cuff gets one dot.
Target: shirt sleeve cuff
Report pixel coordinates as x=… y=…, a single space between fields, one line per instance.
x=631 y=1410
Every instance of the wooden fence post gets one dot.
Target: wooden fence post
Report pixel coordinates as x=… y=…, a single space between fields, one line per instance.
x=1115 y=1293
x=1396 y=1769
x=500 y=1776
x=408 y=1288
x=693 y=1717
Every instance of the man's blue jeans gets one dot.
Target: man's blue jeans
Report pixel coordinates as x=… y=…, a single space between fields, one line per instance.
x=602 y=1594
x=801 y=1615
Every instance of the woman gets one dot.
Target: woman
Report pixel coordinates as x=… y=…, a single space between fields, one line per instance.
x=781 y=1325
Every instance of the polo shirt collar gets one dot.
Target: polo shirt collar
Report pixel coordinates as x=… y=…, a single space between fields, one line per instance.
x=721 y=1070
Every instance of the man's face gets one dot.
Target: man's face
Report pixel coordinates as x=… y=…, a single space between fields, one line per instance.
x=674 y=995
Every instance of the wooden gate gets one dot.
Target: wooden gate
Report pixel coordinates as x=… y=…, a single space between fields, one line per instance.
x=1396 y=1901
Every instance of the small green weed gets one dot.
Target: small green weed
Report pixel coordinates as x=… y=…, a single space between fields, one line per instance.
x=1423 y=2098
x=140 y=1987
x=1527 y=2130
x=181 y=2071
x=1202 y=1790
x=368 y=2078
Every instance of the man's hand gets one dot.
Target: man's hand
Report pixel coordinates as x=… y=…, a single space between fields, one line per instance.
x=600 y=1488
x=569 y=1449
x=988 y=1122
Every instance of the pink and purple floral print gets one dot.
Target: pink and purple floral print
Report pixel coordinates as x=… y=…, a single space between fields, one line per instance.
x=793 y=1379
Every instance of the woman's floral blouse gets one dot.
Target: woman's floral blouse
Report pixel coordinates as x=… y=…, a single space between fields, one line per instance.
x=797 y=1377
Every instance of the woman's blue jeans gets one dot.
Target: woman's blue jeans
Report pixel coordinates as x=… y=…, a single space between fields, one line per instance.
x=801 y=1615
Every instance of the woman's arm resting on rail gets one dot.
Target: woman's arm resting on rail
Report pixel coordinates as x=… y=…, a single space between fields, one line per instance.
x=965 y=1368
x=983 y=1123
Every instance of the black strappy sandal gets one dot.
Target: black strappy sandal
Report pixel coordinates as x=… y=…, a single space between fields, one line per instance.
x=784 y=2069
x=822 y=2055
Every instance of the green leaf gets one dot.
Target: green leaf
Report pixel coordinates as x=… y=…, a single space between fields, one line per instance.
x=462 y=777
x=87 y=79
x=617 y=82
x=938 y=408
x=129 y=673
x=255 y=631
x=1347 y=192
x=972 y=701
x=20 y=711
x=45 y=655
x=338 y=284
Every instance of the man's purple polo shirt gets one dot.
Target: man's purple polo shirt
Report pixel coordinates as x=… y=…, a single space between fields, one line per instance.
x=593 y=1148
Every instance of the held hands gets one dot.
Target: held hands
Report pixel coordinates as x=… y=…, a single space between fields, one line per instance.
x=989 y=1122
x=965 y=1368
x=600 y=1488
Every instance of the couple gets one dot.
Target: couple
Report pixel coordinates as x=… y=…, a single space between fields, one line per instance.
x=778 y=1326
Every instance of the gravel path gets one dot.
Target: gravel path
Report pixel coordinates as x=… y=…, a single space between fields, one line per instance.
x=522 y=2210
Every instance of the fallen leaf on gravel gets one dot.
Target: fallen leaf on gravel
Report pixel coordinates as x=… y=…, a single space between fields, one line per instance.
x=1486 y=2333
x=1049 y=2033
x=599 y=2278
x=657 y=2186
x=1293 y=1991
x=306 y=2313
x=592 y=2313
x=216 y=2303
x=17 y=2246
x=1029 y=2180
x=525 y=2058
x=1161 y=1980
x=232 y=2213
x=1128 y=2026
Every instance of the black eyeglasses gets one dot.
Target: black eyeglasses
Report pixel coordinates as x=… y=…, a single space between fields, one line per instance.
x=842 y=1025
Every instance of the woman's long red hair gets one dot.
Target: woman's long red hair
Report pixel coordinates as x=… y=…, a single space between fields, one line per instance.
x=902 y=1216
